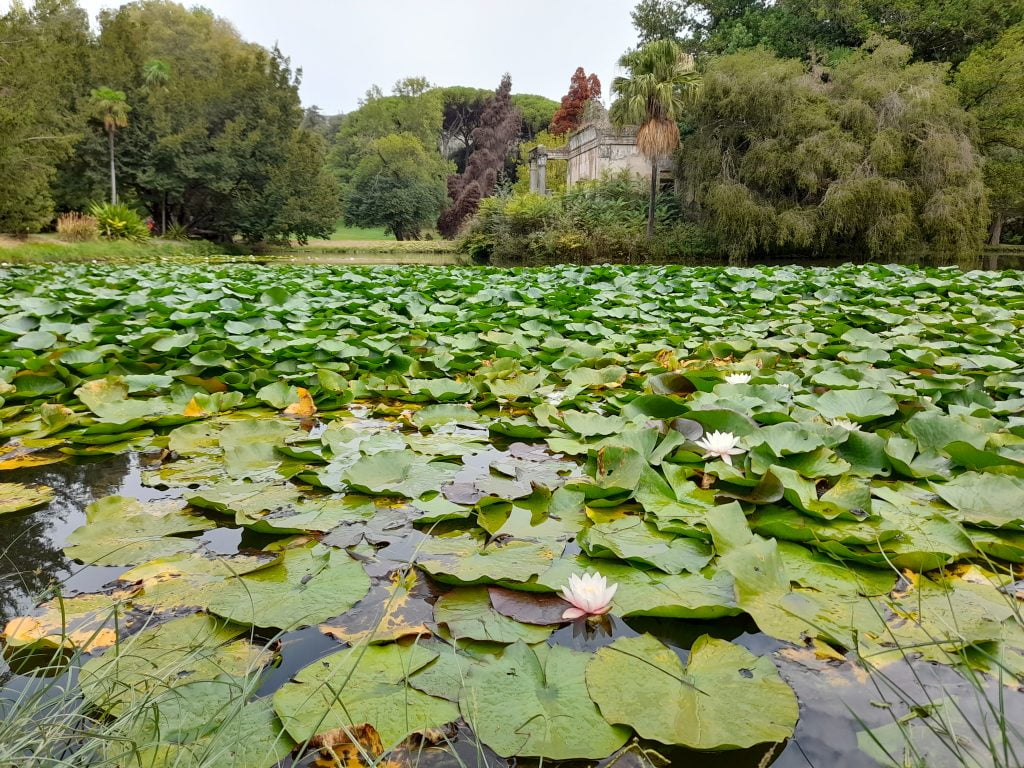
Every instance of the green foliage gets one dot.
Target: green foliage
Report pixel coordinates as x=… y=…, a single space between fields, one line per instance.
x=991 y=85
x=41 y=74
x=936 y=30
x=873 y=156
x=537 y=112
x=117 y=221
x=871 y=509
x=557 y=170
x=419 y=115
x=589 y=222
x=214 y=141
x=399 y=185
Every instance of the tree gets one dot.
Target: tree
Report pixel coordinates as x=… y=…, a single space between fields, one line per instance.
x=217 y=145
x=991 y=85
x=582 y=88
x=659 y=20
x=536 y=111
x=936 y=30
x=111 y=108
x=873 y=156
x=493 y=140
x=43 y=57
x=419 y=115
x=461 y=110
x=399 y=185
x=661 y=81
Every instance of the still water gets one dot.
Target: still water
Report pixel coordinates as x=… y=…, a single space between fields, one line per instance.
x=837 y=699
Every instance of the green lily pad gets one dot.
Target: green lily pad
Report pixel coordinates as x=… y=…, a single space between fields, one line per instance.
x=533 y=702
x=156 y=660
x=125 y=531
x=366 y=684
x=467 y=614
x=16 y=497
x=985 y=500
x=398 y=473
x=724 y=698
x=630 y=538
x=311 y=584
x=282 y=509
x=465 y=560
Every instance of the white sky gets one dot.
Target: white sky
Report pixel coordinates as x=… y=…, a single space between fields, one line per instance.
x=345 y=46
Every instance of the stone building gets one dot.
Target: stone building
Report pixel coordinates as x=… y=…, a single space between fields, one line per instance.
x=595 y=150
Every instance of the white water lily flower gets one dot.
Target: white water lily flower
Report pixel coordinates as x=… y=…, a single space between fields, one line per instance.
x=737 y=378
x=589 y=595
x=723 y=445
x=846 y=424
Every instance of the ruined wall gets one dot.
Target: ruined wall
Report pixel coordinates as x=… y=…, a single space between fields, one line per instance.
x=596 y=150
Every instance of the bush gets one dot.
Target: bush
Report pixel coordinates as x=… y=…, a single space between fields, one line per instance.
x=594 y=221
x=119 y=222
x=75 y=227
x=176 y=231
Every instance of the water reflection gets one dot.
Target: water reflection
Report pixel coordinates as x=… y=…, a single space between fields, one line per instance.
x=32 y=561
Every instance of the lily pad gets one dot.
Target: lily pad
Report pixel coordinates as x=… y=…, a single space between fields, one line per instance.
x=533 y=702
x=311 y=584
x=168 y=656
x=724 y=698
x=359 y=685
x=467 y=614
x=16 y=497
x=125 y=531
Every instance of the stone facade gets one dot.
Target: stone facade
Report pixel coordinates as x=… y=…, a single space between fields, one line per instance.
x=595 y=150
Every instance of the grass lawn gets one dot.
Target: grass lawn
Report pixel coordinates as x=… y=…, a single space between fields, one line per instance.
x=341 y=232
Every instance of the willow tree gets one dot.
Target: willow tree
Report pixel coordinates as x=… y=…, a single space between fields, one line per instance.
x=111 y=108
x=873 y=157
x=662 y=80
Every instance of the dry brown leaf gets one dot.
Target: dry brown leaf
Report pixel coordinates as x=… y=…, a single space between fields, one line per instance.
x=305 y=408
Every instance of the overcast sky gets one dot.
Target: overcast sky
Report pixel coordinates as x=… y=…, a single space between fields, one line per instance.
x=344 y=46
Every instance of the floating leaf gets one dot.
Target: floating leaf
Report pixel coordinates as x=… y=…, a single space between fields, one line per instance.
x=724 y=698
x=467 y=614
x=15 y=497
x=125 y=531
x=311 y=584
x=360 y=685
x=533 y=702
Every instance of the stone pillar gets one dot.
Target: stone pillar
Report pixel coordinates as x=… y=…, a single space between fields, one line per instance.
x=533 y=175
x=542 y=174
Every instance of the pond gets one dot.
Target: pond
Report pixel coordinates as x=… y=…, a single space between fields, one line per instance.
x=837 y=699
x=248 y=507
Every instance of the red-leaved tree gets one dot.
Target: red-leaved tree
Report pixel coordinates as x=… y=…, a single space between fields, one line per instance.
x=493 y=139
x=582 y=88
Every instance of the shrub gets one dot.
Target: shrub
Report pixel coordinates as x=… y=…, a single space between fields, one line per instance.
x=76 y=227
x=594 y=221
x=176 y=231
x=119 y=222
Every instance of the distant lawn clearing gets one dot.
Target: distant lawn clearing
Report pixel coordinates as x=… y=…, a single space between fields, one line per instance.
x=341 y=232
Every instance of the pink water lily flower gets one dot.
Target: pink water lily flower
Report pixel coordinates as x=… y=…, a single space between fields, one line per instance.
x=589 y=595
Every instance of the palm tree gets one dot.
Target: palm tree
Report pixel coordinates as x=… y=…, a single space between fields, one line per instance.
x=111 y=108
x=662 y=80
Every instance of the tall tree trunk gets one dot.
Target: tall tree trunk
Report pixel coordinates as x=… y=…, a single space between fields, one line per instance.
x=163 y=216
x=654 y=197
x=996 y=230
x=113 y=172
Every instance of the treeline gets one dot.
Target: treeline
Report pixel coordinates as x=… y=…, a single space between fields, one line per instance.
x=169 y=110
x=423 y=157
x=205 y=129
x=878 y=125
x=810 y=128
